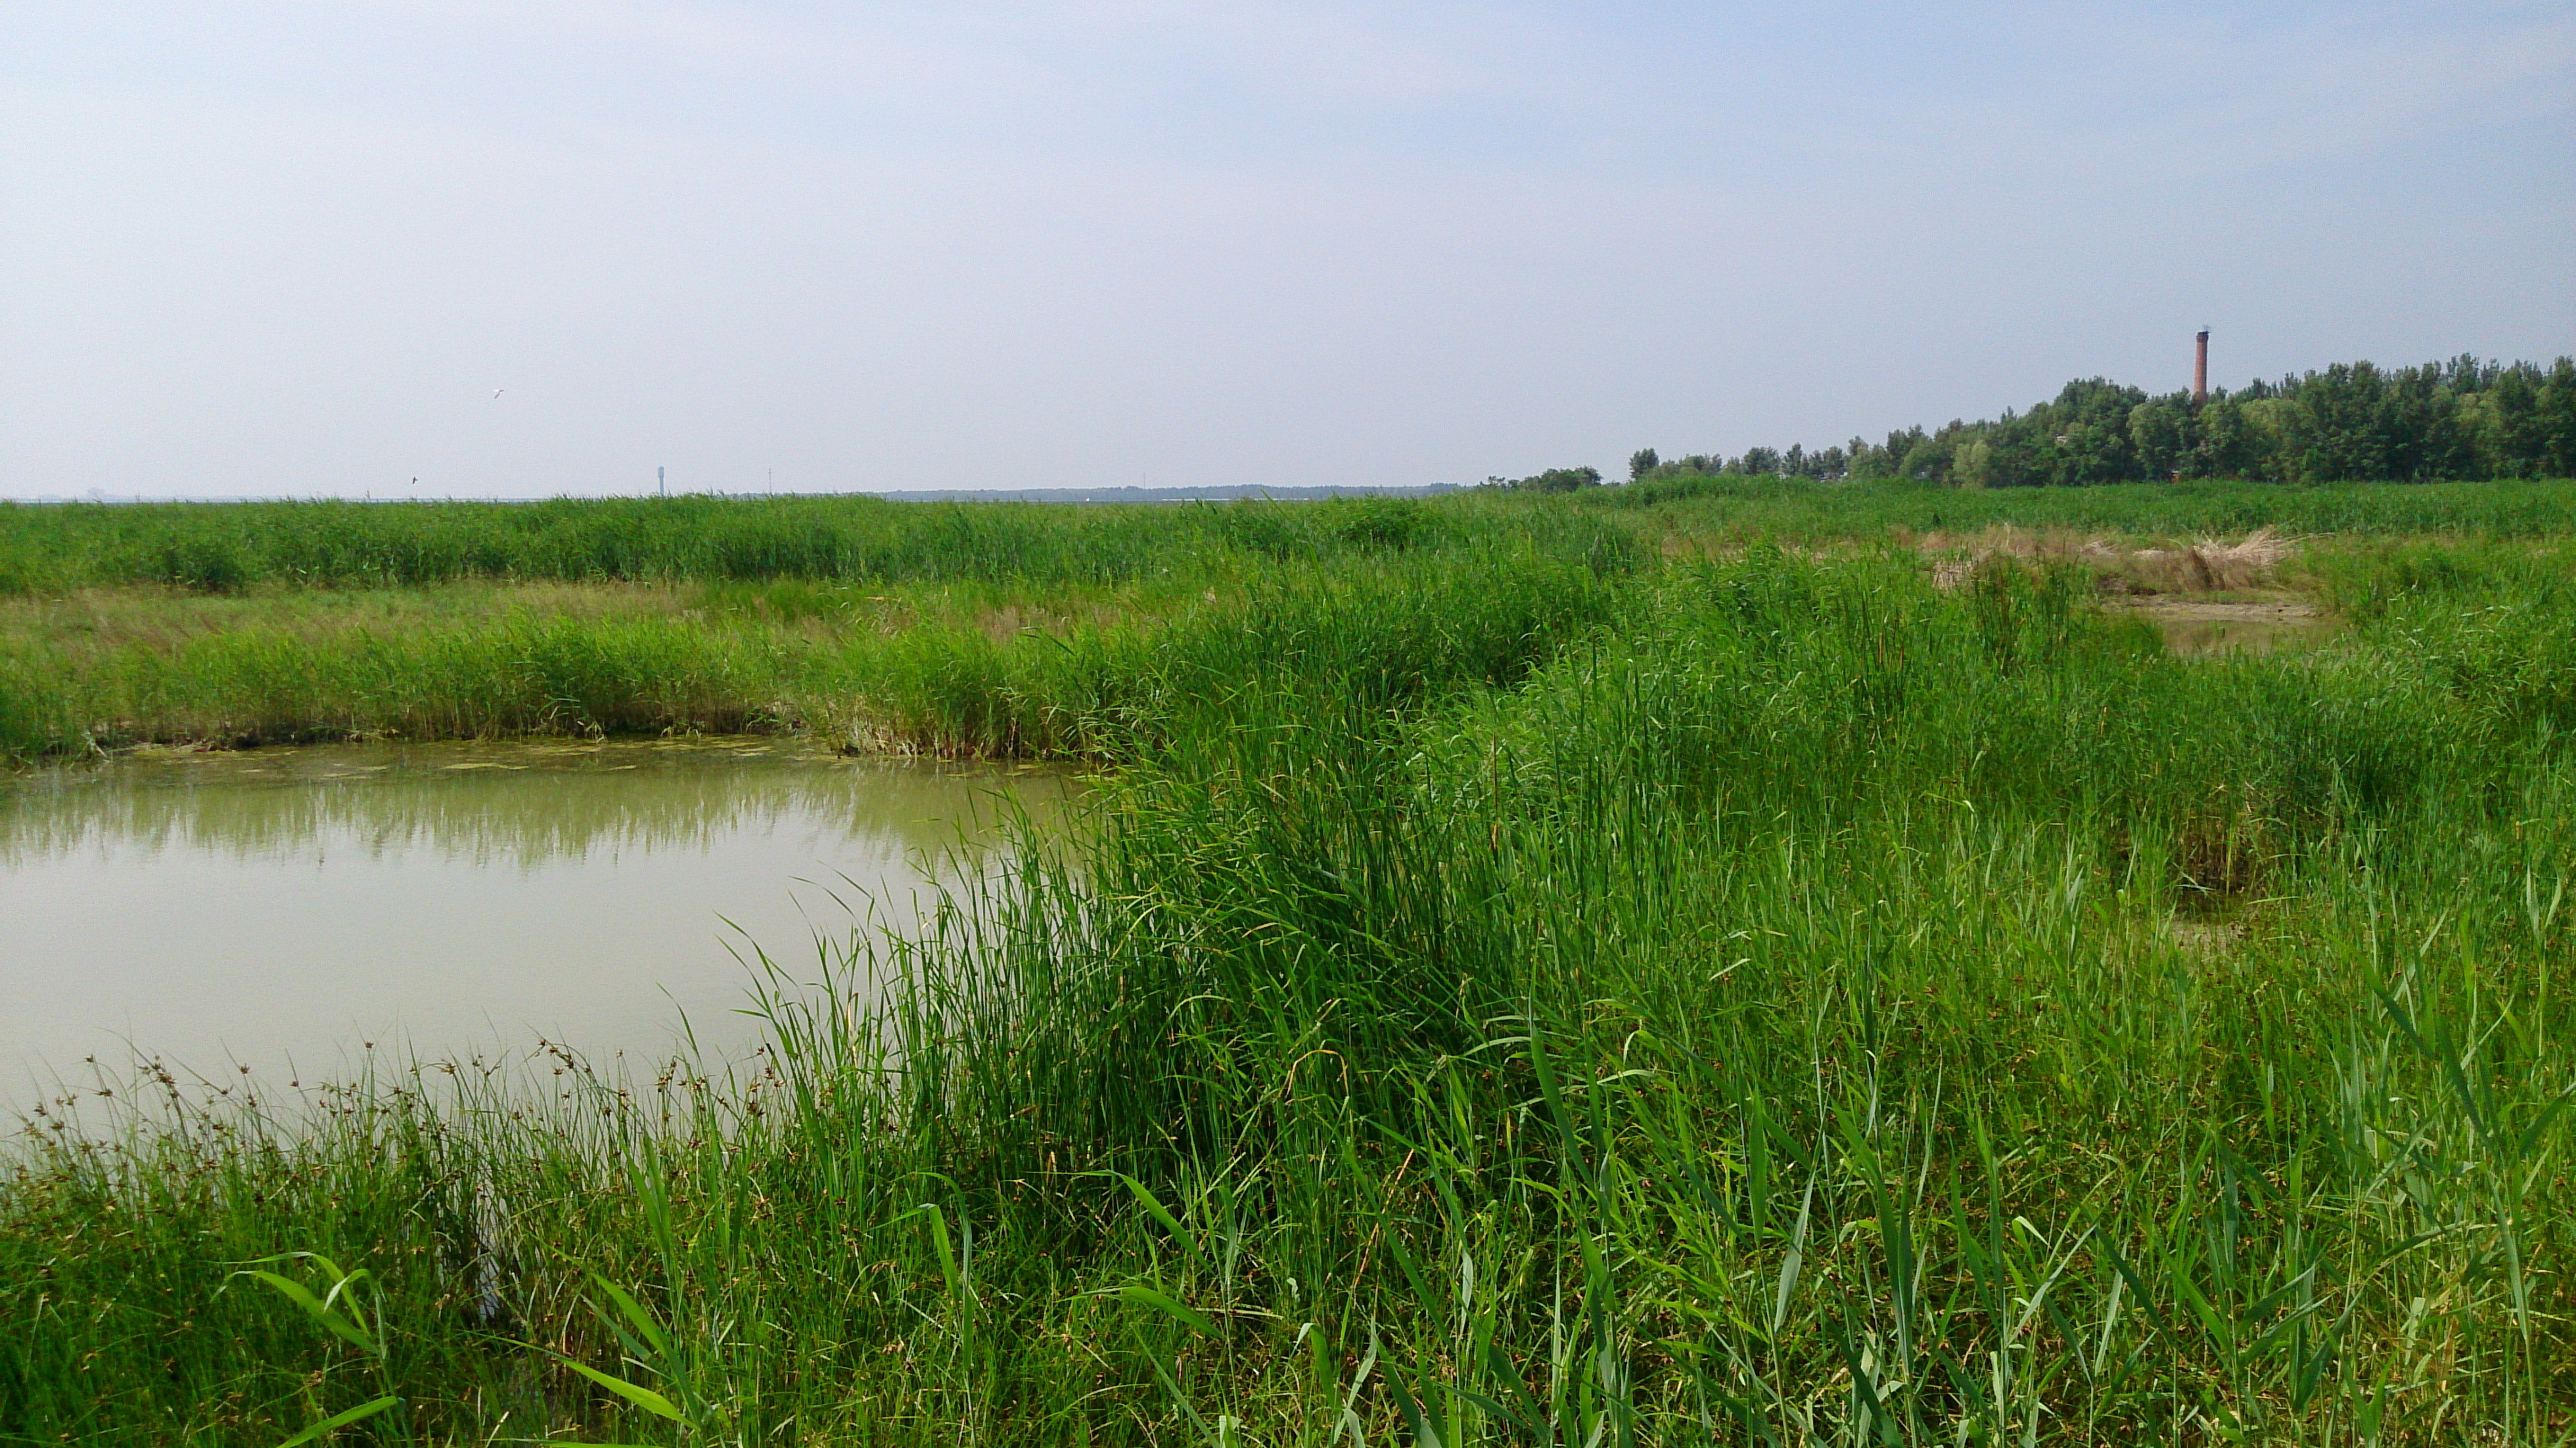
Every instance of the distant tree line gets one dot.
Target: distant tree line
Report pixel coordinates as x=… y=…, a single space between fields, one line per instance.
x=1554 y=480
x=2464 y=419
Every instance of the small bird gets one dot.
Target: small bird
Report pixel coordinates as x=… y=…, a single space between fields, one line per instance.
x=415 y=482
x=496 y=391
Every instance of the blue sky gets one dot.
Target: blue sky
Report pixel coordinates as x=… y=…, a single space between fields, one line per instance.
x=269 y=248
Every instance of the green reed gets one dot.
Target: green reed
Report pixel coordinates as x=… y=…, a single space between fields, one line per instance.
x=969 y=656
x=1768 y=1001
x=228 y=548
x=1742 y=508
x=235 y=547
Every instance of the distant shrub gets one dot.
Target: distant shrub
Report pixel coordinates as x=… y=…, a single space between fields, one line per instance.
x=1393 y=524
x=1257 y=525
x=20 y=574
x=1555 y=480
x=208 y=561
x=762 y=548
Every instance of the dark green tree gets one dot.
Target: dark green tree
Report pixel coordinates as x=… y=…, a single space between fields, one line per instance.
x=1558 y=480
x=2161 y=436
x=2464 y=418
x=2334 y=429
x=2554 y=421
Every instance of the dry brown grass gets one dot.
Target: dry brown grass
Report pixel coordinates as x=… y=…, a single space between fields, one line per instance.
x=2207 y=565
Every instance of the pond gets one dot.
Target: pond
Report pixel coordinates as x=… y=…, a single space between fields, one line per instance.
x=291 y=909
x=2197 y=628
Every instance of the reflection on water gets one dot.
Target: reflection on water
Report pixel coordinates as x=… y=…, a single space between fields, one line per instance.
x=276 y=908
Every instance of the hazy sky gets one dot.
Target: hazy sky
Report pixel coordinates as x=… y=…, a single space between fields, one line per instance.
x=295 y=247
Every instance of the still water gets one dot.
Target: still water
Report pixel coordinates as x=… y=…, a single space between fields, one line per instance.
x=280 y=909
x=2206 y=629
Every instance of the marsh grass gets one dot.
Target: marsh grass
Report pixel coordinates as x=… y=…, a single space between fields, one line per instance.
x=1725 y=509
x=1770 y=1001
x=960 y=652
x=932 y=628
x=224 y=548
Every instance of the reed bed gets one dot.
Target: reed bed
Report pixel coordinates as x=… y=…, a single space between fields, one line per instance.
x=236 y=624
x=1729 y=508
x=234 y=547
x=956 y=652
x=1762 y=1001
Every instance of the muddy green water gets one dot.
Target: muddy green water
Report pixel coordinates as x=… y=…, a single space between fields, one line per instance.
x=281 y=909
x=2202 y=629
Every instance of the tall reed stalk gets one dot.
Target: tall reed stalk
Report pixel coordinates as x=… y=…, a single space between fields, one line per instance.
x=1770 y=1001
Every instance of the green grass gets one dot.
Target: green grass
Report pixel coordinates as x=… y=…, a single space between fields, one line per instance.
x=942 y=675
x=230 y=547
x=1796 y=510
x=236 y=547
x=948 y=628
x=1499 y=999
x=969 y=642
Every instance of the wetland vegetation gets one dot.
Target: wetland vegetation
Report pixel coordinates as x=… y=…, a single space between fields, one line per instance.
x=1716 y=960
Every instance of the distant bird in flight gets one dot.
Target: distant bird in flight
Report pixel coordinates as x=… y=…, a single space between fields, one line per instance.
x=415 y=482
x=496 y=392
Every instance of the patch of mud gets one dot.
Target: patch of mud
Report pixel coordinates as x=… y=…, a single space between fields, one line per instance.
x=2206 y=938
x=2208 y=626
x=2205 y=610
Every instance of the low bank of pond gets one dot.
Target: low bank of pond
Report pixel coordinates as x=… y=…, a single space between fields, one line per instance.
x=2194 y=627
x=281 y=909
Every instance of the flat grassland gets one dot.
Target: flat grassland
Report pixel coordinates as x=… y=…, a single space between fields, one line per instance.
x=935 y=628
x=1744 y=963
